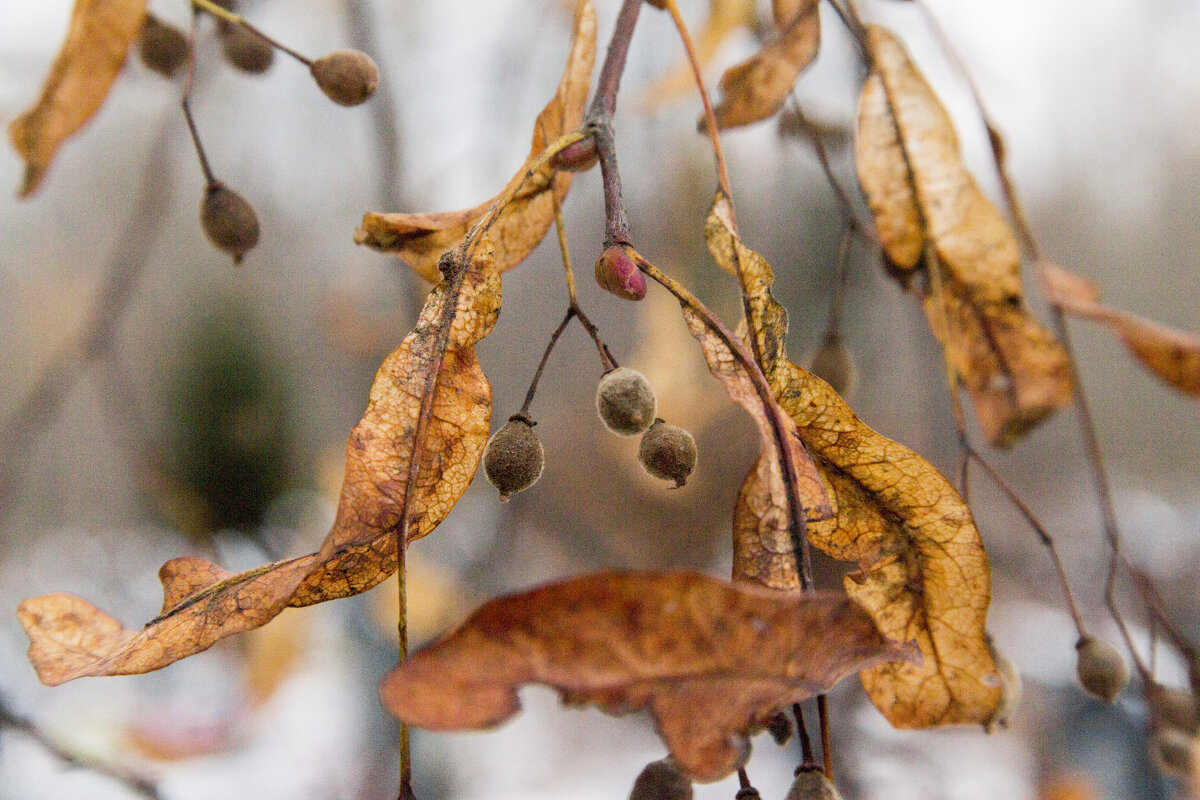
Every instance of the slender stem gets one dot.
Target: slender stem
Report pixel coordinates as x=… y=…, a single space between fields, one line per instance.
x=234 y=19
x=135 y=783
x=561 y=229
x=826 y=750
x=709 y=115
x=796 y=511
x=806 y=748
x=937 y=288
x=604 y=104
x=406 y=790
x=537 y=376
x=189 y=81
x=850 y=18
x=743 y=778
x=1043 y=536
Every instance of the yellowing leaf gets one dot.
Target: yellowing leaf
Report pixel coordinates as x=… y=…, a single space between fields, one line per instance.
x=765 y=526
x=712 y=662
x=756 y=88
x=926 y=204
x=420 y=239
x=1172 y=355
x=923 y=574
x=407 y=463
x=92 y=55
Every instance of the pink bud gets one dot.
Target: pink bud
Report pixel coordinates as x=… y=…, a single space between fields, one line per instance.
x=576 y=157
x=618 y=273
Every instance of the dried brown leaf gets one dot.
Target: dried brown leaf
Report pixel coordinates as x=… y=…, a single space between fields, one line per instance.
x=420 y=239
x=711 y=661
x=92 y=55
x=1172 y=355
x=926 y=203
x=407 y=463
x=763 y=544
x=757 y=87
x=923 y=573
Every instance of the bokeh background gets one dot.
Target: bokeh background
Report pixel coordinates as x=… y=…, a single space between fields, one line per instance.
x=156 y=401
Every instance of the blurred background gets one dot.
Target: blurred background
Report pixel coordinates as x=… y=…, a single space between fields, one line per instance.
x=156 y=401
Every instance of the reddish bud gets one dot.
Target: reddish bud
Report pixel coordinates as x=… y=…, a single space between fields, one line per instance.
x=618 y=272
x=576 y=157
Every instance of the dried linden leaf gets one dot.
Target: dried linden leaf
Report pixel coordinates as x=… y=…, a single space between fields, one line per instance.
x=92 y=55
x=758 y=87
x=420 y=239
x=407 y=463
x=923 y=573
x=926 y=204
x=711 y=661
x=1172 y=355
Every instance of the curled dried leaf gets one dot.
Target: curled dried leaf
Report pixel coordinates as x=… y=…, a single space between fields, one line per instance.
x=420 y=239
x=99 y=36
x=927 y=205
x=757 y=88
x=407 y=463
x=1172 y=355
x=711 y=661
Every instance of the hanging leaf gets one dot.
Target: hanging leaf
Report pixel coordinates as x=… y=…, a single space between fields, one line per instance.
x=758 y=87
x=420 y=239
x=408 y=461
x=92 y=55
x=711 y=661
x=926 y=204
x=763 y=536
x=923 y=574
x=1170 y=354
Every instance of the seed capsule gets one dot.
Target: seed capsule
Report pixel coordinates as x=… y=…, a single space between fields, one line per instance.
x=811 y=784
x=1102 y=670
x=228 y=220
x=514 y=457
x=1172 y=751
x=625 y=401
x=617 y=272
x=780 y=728
x=162 y=47
x=347 y=77
x=668 y=452
x=245 y=50
x=833 y=363
x=661 y=780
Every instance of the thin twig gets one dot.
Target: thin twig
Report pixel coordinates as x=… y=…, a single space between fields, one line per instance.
x=806 y=748
x=228 y=16
x=826 y=749
x=135 y=783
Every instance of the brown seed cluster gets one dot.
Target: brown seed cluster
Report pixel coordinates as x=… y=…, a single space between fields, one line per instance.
x=229 y=221
x=162 y=47
x=625 y=401
x=246 y=50
x=347 y=77
x=668 y=452
x=514 y=458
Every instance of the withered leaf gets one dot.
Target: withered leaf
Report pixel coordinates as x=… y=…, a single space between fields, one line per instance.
x=757 y=87
x=92 y=55
x=763 y=545
x=923 y=573
x=420 y=239
x=406 y=466
x=926 y=203
x=1170 y=354
x=711 y=661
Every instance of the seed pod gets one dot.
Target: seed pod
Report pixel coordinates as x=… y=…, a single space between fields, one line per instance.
x=668 y=452
x=347 y=77
x=833 y=363
x=576 y=157
x=1171 y=749
x=246 y=50
x=625 y=401
x=228 y=220
x=811 y=784
x=1102 y=670
x=1173 y=708
x=780 y=728
x=661 y=780
x=162 y=47
x=617 y=272
x=514 y=457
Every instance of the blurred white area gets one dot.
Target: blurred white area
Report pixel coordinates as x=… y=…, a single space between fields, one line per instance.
x=1098 y=102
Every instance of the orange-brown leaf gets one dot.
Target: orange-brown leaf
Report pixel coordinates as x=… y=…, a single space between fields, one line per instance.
x=1170 y=354
x=763 y=543
x=757 y=87
x=92 y=55
x=711 y=661
x=923 y=573
x=926 y=203
x=420 y=239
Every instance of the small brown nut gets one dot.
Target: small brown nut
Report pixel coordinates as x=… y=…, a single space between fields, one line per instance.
x=668 y=452
x=514 y=458
x=347 y=77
